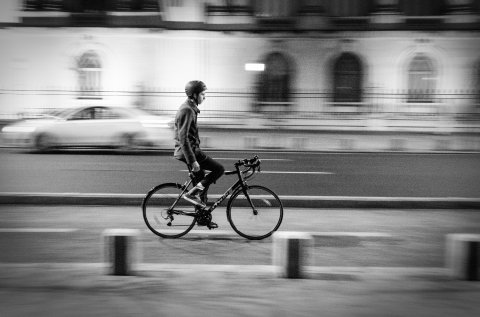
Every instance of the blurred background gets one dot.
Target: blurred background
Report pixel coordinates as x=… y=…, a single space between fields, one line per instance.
x=362 y=111
x=366 y=68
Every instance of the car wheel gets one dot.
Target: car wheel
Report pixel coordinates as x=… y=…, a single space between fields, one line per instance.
x=44 y=142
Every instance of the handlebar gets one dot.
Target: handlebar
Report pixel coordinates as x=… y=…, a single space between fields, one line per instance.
x=253 y=162
x=251 y=166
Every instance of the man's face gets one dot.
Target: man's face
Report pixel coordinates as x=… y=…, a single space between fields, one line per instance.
x=201 y=97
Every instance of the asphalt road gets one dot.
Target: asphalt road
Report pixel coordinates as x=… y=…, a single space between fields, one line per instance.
x=347 y=238
x=311 y=174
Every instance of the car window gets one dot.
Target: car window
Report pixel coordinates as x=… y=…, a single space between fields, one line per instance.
x=107 y=113
x=85 y=114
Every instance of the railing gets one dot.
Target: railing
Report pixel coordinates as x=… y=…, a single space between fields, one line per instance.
x=230 y=106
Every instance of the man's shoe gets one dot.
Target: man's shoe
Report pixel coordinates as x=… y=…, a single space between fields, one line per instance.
x=212 y=225
x=204 y=218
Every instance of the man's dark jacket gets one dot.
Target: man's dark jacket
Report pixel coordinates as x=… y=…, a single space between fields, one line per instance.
x=186 y=132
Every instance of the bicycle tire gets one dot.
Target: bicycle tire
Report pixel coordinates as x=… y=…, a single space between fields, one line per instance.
x=155 y=207
x=255 y=226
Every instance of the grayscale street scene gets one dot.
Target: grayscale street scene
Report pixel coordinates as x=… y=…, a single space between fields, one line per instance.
x=240 y=158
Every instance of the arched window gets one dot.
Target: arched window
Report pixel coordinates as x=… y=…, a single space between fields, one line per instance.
x=274 y=85
x=136 y=5
x=422 y=79
x=349 y=8
x=347 y=79
x=422 y=7
x=275 y=8
x=89 y=75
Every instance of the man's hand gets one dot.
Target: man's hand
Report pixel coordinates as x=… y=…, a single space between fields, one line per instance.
x=195 y=167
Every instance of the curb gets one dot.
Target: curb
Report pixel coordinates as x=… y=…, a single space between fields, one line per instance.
x=288 y=201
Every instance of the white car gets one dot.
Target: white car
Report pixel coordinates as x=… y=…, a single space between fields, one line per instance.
x=99 y=126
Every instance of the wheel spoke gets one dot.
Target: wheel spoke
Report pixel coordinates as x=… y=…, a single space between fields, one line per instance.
x=259 y=221
x=160 y=218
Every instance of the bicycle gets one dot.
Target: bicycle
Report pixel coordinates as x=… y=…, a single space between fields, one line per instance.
x=253 y=211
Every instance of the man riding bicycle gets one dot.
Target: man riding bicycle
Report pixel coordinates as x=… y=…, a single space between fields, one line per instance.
x=187 y=145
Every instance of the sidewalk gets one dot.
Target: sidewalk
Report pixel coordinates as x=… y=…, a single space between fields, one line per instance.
x=223 y=290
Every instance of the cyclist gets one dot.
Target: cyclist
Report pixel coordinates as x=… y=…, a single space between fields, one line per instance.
x=187 y=145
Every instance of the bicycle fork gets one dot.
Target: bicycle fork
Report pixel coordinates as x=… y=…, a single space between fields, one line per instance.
x=250 y=202
x=243 y=184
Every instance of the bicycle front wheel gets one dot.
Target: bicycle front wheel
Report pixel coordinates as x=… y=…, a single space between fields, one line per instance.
x=260 y=218
x=165 y=214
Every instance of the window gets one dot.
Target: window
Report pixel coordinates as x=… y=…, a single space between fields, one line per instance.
x=349 y=8
x=85 y=114
x=422 y=7
x=276 y=8
x=136 y=5
x=347 y=79
x=421 y=79
x=43 y=5
x=97 y=113
x=150 y=5
x=102 y=113
x=274 y=86
x=89 y=73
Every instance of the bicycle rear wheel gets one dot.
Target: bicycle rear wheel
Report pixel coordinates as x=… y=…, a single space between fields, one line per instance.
x=260 y=221
x=163 y=219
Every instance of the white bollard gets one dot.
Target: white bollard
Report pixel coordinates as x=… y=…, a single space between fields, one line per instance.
x=291 y=251
x=121 y=250
x=463 y=256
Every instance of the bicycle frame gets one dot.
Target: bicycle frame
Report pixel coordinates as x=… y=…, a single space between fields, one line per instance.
x=242 y=213
x=240 y=183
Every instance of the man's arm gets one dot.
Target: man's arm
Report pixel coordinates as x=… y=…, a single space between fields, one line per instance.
x=184 y=122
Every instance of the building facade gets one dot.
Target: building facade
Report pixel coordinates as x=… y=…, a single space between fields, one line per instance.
x=328 y=63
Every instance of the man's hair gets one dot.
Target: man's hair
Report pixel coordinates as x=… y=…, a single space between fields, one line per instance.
x=194 y=87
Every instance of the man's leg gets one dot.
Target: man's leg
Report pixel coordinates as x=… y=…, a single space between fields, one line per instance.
x=216 y=171
x=198 y=176
x=193 y=193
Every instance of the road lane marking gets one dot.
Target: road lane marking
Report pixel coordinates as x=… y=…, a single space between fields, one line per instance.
x=262 y=159
x=351 y=234
x=289 y=172
x=37 y=230
x=296 y=172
